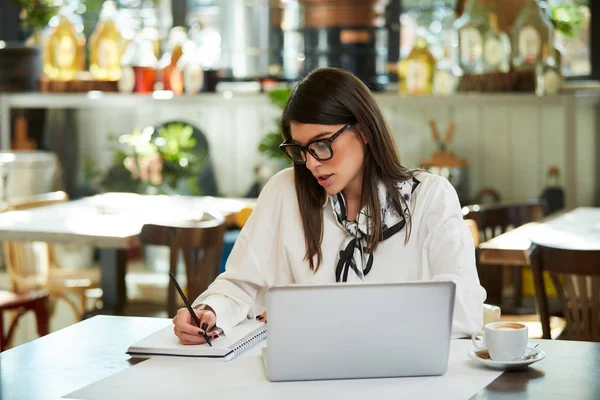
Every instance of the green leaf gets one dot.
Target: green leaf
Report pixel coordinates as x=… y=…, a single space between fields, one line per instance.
x=567 y=19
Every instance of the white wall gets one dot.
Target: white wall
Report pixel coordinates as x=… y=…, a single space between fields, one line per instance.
x=509 y=140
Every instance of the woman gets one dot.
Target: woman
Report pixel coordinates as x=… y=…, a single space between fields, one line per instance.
x=347 y=212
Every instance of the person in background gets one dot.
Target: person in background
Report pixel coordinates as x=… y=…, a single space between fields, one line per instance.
x=348 y=211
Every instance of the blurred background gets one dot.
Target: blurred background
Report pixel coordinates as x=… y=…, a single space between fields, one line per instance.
x=183 y=98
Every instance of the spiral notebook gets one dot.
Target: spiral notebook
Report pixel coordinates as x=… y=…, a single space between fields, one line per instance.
x=165 y=343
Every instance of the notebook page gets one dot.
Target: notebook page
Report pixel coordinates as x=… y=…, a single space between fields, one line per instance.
x=165 y=342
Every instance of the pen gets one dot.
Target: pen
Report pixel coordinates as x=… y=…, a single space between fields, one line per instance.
x=189 y=307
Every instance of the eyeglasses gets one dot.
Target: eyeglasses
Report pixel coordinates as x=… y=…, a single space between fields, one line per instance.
x=319 y=149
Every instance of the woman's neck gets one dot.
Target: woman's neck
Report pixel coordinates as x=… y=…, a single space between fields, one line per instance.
x=353 y=196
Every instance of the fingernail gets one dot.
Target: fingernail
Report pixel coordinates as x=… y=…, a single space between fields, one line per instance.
x=216 y=336
x=205 y=326
x=261 y=318
x=201 y=333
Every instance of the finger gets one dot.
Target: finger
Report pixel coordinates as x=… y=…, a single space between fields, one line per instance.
x=207 y=320
x=188 y=328
x=183 y=315
x=187 y=338
x=262 y=317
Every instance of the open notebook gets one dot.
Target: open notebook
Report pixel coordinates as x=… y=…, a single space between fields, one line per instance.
x=165 y=343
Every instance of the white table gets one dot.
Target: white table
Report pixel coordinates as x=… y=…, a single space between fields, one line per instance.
x=111 y=222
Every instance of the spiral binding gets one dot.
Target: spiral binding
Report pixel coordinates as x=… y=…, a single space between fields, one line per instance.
x=247 y=341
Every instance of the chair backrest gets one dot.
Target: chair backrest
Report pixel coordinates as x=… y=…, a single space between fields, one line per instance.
x=202 y=246
x=576 y=277
x=495 y=219
x=28 y=263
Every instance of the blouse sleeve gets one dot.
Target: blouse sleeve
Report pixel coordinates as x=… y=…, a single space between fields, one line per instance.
x=451 y=254
x=257 y=260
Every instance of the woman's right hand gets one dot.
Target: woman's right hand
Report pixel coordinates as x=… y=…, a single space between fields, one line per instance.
x=186 y=330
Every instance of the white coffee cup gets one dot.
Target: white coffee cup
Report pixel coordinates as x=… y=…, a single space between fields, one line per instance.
x=505 y=341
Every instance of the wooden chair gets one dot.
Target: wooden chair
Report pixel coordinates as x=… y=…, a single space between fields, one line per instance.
x=32 y=265
x=576 y=277
x=19 y=304
x=201 y=244
x=493 y=220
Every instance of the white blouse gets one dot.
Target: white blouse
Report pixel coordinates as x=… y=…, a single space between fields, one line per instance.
x=270 y=251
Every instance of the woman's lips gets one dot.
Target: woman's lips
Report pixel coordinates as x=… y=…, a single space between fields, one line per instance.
x=324 y=180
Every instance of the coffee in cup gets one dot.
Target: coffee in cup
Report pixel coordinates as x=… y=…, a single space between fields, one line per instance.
x=505 y=341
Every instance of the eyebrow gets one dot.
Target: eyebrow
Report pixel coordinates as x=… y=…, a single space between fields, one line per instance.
x=316 y=137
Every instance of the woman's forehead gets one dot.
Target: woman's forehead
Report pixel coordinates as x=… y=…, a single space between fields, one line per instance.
x=303 y=133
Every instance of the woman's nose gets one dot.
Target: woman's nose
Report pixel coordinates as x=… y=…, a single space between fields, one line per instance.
x=311 y=161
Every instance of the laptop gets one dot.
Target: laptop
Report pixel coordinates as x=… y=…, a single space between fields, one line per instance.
x=366 y=330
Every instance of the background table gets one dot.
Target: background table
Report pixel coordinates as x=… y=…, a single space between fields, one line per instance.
x=112 y=223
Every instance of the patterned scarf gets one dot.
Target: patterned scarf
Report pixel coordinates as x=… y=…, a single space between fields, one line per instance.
x=354 y=254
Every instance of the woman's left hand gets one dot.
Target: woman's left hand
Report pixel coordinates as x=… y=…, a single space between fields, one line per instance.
x=262 y=317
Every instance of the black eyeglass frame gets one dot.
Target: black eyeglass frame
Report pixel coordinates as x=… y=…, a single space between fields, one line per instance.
x=306 y=149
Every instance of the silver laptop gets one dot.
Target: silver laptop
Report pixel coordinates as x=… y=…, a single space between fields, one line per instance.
x=344 y=331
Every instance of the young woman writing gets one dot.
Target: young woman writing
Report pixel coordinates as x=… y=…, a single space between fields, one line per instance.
x=348 y=211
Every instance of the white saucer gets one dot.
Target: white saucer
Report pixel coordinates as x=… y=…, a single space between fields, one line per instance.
x=532 y=354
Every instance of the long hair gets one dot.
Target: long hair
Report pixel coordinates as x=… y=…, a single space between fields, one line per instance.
x=331 y=96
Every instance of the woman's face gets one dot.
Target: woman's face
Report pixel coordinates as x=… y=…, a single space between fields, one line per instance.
x=345 y=167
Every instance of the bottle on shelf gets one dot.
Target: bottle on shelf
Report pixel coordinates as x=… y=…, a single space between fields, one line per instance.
x=446 y=77
x=548 y=74
x=553 y=193
x=416 y=71
x=169 y=60
x=150 y=25
x=496 y=47
x=442 y=31
x=64 y=48
x=531 y=31
x=470 y=29
x=189 y=70
x=106 y=45
x=139 y=67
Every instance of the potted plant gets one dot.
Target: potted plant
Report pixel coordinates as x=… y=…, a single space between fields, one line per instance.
x=269 y=146
x=168 y=159
x=35 y=15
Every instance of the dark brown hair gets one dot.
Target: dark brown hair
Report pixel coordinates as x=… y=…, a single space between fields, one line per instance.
x=330 y=96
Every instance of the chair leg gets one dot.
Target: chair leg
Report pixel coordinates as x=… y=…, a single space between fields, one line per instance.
x=540 y=295
x=517 y=287
x=42 y=316
x=171 y=300
x=13 y=327
x=78 y=312
x=2 y=338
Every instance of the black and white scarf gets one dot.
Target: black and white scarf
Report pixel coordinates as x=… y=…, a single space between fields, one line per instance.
x=354 y=254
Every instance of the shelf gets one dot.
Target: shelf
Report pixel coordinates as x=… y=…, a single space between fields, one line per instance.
x=110 y=100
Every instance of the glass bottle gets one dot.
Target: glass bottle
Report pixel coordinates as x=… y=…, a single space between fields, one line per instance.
x=149 y=23
x=446 y=76
x=496 y=47
x=470 y=29
x=168 y=62
x=144 y=67
x=531 y=31
x=189 y=70
x=548 y=75
x=442 y=31
x=138 y=66
x=64 y=49
x=416 y=71
x=106 y=45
